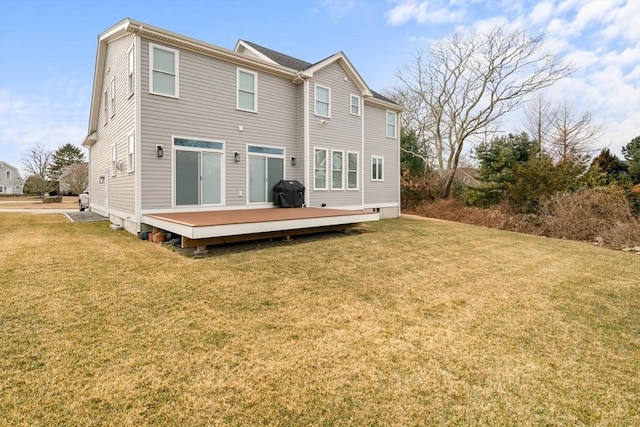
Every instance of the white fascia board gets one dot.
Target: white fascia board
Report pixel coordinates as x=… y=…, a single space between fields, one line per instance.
x=348 y=67
x=384 y=104
x=180 y=41
x=256 y=227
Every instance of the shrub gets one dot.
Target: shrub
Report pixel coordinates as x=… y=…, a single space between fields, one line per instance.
x=589 y=213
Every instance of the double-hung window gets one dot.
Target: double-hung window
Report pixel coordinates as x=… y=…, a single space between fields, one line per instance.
x=112 y=96
x=377 y=166
x=320 y=169
x=352 y=170
x=105 y=106
x=337 y=168
x=163 y=73
x=354 y=107
x=391 y=124
x=114 y=159
x=323 y=101
x=131 y=71
x=131 y=150
x=247 y=91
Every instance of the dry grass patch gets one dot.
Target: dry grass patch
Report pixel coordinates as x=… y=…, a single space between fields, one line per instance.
x=35 y=202
x=409 y=323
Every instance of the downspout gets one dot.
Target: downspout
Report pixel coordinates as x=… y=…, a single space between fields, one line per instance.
x=306 y=141
x=362 y=159
x=137 y=46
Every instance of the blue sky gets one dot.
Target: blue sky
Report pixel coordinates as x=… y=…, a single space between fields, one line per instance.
x=47 y=49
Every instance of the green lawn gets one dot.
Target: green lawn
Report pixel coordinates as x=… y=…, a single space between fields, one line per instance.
x=406 y=322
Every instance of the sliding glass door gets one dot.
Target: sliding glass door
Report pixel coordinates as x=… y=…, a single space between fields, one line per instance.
x=198 y=172
x=265 y=170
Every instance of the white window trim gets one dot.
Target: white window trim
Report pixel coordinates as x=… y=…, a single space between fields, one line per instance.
x=326 y=168
x=255 y=90
x=395 y=124
x=357 y=187
x=114 y=160
x=315 y=101
x=131 y=70
x=341 y=170
x=351 y=105
x=176 y=61
x=131 y=152
x=248 y=154
x=112 y=97
x=106 y=105
x=222 y=151
x=381 y=159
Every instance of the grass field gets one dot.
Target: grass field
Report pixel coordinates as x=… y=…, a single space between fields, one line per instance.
x=406 y=322
x=35 y=202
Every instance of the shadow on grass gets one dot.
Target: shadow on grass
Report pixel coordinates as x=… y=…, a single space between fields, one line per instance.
x=255 y=245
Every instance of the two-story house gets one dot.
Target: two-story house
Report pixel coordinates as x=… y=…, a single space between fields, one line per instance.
x=10 y=179
x=179 y=126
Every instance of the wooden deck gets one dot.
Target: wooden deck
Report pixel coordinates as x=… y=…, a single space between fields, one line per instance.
x=224 y=226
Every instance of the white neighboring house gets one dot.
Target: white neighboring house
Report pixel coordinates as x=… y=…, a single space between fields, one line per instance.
x=10 y=179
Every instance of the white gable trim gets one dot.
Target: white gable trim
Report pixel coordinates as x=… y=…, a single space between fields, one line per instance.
x=241 y=46
x=344 y=62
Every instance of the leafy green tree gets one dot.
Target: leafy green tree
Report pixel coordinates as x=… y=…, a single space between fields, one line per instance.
x=65 y=155
x=498 y=160
x=515 y=170
x=608 y=169
x=35 y=185
x=410 y=157
x=631 y=153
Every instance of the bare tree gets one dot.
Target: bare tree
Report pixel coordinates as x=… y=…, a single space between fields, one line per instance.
x=470 y=82
x=572 y=136
x=537 y=121
x=74 y=178
x=36 y=161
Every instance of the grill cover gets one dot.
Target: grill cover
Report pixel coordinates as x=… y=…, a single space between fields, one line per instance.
x=288 y=194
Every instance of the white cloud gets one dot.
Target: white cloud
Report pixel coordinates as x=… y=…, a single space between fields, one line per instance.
x=623 y=23
x=338 y=8
x=541 y=12
x=424 y=12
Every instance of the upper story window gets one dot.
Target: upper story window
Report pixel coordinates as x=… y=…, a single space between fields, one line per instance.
x=8 y=175
x=354 y=108
x=323 y=101
x=247 y=83
x=391 y=124
x=131 y=71
x=105 y=106
x=163 y=73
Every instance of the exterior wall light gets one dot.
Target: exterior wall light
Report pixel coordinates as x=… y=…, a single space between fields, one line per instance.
x=236 y=156
x=293 y=160
x=101 y=179
x=159 y=150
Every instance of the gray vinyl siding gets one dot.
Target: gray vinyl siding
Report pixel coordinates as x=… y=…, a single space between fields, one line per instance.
x=342 y=131
x=377 y=144
x=114 y=130
x=206 y=109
